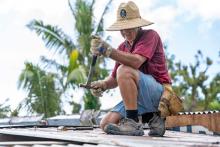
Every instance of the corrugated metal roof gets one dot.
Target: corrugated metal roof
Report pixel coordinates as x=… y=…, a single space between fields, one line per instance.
x=25 y=120
x=99 y=138
x=67 y=130
x=64 y=120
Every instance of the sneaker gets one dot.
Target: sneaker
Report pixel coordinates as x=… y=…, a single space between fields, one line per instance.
x=125 y=127
x=157 y=126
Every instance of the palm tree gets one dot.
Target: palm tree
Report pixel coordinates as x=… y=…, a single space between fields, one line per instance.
x=43 y=98
x=75 y=54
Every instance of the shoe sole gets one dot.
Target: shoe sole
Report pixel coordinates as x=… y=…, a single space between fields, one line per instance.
x=156 y=134
x=135 y=133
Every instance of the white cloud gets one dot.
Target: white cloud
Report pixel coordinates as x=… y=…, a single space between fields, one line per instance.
x=205 y=9
x=165 y=20
x=206 y=12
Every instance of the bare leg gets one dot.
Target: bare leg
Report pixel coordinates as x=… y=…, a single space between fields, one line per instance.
x=110 y=117
x=127 y=79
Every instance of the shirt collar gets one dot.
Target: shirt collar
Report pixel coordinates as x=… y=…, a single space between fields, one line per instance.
x=138 y=36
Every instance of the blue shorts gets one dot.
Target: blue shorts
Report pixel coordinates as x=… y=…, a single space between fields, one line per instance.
x=149 y=94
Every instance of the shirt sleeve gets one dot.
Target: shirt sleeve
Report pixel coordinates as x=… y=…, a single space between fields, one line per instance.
x=147 y=46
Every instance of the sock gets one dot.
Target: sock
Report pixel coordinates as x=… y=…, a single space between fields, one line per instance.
x=146 y=117
x=132 y=114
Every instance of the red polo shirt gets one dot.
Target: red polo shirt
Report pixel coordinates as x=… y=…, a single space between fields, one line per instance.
x=148 y=45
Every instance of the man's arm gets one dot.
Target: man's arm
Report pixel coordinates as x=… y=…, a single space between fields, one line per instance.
x=100 y=47
x=98 y=87
x=125 y=58
x=110 y=82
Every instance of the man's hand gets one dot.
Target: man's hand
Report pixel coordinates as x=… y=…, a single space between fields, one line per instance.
x=98 y=87
x=100 y=47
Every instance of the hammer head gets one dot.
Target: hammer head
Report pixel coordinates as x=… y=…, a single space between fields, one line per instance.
x=87 y=86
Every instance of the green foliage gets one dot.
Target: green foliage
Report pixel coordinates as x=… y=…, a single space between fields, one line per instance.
x=14 y=113
x=194 y=84
x=214 y=105
x=83 y=17
x=212 y=94
x=85 y=26
x=76 y=72
x=42 y=94
x=53 y=36
x=4 y=109
x=76 y=107
x=91 y=102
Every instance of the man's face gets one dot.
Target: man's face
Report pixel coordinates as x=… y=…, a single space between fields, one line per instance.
x=129 y=34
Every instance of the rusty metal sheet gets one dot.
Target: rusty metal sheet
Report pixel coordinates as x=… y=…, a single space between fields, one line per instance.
x=208 y=119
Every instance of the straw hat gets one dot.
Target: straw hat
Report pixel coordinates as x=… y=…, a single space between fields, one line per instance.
x=128 y=17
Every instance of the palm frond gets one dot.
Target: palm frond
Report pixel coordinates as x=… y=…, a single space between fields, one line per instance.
x=73 y=60
x=92 y=5
x=83 y=25
x=77 y=75
x=53 y=36
x=71 y=8
x=43 y=96
x=53 y=64
x=45 y=88
x=26 y=76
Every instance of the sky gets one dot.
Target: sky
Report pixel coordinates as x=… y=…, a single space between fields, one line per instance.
x=184 y=25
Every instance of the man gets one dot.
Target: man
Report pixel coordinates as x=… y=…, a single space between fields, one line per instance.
x=140 y=72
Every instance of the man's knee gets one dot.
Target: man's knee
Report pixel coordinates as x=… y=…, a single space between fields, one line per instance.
x=125 y=72
x=103 y=123
x=110 y=117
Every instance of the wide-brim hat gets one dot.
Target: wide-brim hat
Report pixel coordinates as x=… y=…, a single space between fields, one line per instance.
x=128 y=17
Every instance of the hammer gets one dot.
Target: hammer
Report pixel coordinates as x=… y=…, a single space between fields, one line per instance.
x=91 y=71
x=92 y=67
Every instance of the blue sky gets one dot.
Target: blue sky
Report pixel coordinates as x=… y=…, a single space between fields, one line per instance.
x=189 y=40
x=185 y=25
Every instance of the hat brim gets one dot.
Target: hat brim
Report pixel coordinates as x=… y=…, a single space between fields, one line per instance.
x=128 y=24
